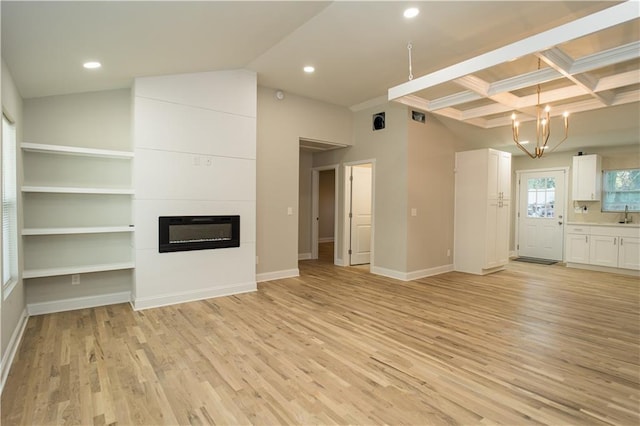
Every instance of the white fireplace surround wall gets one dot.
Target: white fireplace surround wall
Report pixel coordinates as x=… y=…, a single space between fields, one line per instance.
x=195 y=154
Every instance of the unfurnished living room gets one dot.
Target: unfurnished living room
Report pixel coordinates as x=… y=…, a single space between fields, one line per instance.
x=301 y=212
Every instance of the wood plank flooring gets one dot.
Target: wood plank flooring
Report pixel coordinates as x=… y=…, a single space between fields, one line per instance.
x=533 y=344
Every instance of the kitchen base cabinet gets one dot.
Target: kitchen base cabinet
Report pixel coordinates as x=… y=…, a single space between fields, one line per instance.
x=608 y=248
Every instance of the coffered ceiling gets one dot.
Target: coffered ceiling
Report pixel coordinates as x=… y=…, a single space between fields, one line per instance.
x=586 y=64
x=359 y=51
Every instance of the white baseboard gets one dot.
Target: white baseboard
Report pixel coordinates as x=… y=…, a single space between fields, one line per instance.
x=423 y=273
x=513 y=254
x=140 y=303
x=304 y=256
x=631 y=272
x=390 y=273
x=413 y=275
x=340 y=262
x=12 y=348
x=325 y=240
x=277 y=275
x=78 y=303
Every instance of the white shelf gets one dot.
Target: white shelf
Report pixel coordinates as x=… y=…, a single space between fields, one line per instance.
x=76 y=190
x=74 y=150
x=77 y=230
x=52 y=272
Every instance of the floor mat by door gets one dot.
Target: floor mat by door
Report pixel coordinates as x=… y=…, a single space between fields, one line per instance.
x=535 y=260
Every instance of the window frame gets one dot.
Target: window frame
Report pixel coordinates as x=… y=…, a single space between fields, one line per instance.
x=13 y=277
x=603 y=204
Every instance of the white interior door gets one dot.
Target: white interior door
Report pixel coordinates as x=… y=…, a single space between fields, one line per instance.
x=541 y=214
x=360 y=214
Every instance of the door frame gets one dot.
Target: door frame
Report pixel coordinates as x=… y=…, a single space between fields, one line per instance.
x=315 y=208
x=565 y=202
x=346 y=235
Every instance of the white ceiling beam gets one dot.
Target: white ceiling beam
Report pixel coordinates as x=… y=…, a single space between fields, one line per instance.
x=561 y=62
x=451 y=113
x=480 y=86
x=485 y=110
x=587 y=63
x=415 y=102
x=627 y=97
x=579 y=106
x=474 y=83
x=551 y=96
x=524 y=80
x=595 y=22
x=618 y=80
x=605 y=58
x=455 y=99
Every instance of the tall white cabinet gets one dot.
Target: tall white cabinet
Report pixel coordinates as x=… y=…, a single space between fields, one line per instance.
x=482 y=211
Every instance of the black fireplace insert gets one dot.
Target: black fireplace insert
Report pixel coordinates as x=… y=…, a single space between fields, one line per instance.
x=184 y=233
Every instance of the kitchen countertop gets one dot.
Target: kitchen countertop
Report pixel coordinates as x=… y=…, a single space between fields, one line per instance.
x=623 y=225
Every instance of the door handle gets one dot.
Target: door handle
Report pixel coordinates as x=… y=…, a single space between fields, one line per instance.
x=559 y=222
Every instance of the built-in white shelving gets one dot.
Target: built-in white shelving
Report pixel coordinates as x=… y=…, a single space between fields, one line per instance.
x=78 y=230
x=74 y=150
x=77 y=202
x=77 y=190
x=67 y=270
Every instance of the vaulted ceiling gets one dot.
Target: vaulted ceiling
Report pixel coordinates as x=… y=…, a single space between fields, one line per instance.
x=359 y=50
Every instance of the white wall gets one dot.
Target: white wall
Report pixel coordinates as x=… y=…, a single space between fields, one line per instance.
x=281 y=124
x=430 y=163
x=388 y=147
x=13 y=306
x=195 y=147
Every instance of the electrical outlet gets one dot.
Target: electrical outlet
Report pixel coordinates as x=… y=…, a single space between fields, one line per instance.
x=75 y=279
x=448 y=252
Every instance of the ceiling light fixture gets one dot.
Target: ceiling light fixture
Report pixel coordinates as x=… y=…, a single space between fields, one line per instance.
x=92 y=65
x=412 y=12
x=309 y=69
x=543 y=129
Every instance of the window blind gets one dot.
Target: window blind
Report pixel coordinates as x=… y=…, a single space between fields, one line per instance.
x=9 y=204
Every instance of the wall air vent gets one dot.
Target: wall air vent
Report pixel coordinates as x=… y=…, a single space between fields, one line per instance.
x=378 y=121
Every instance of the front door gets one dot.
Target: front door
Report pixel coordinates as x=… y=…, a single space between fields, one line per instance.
x=360 y=214
x=541 y=214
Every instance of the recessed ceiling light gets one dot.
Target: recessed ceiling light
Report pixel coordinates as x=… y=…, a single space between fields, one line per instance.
x=412 y=12
x=92 y=65
x=309 y=69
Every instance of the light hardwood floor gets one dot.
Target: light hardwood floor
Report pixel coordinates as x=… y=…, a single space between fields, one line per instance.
x=531 y=345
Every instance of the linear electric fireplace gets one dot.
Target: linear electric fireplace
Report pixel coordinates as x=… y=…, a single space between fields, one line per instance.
x=184 y=233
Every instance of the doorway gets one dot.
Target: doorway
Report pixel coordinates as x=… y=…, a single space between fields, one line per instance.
x=359 y=202
x=541 y=201
x=324 y=210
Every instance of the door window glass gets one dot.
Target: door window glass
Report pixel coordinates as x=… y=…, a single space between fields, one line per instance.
x=541 y=197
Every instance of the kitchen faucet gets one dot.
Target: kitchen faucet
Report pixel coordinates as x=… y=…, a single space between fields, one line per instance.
x=626 y=214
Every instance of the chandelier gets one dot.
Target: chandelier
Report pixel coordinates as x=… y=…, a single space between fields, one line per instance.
x=543 y=129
